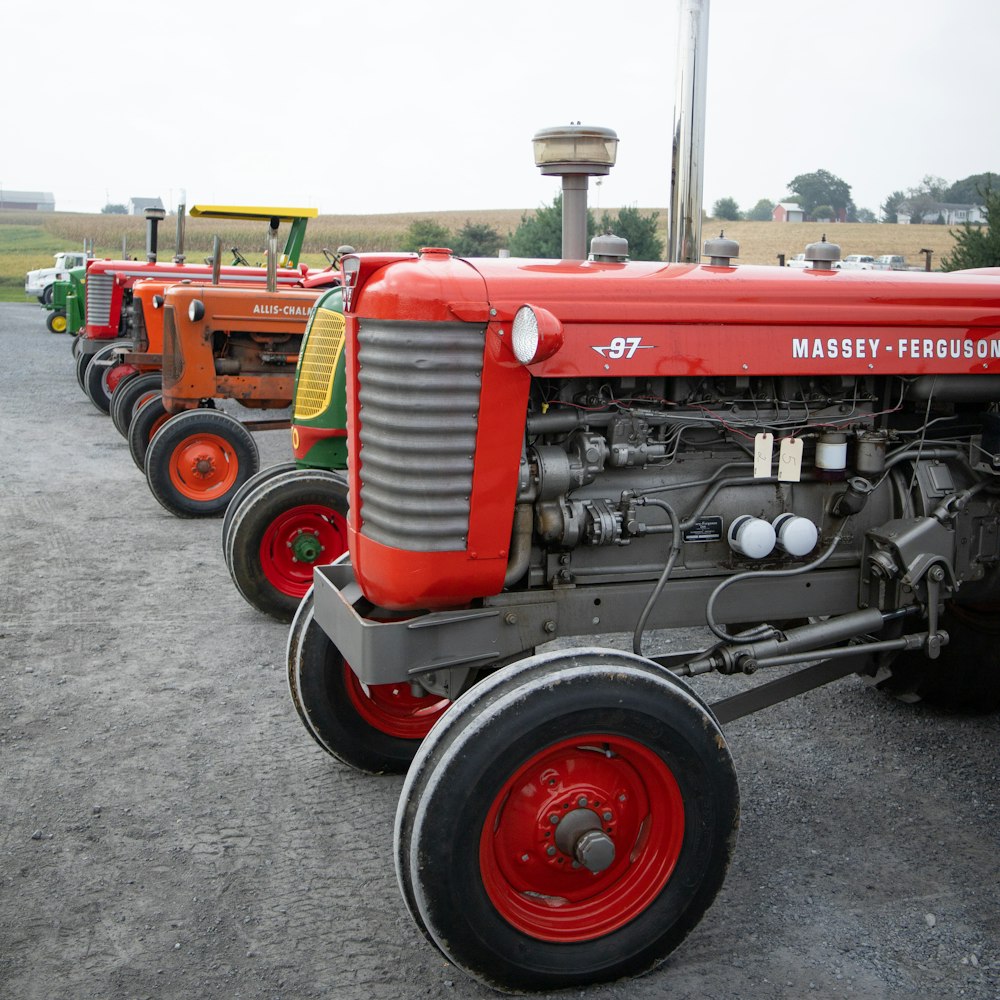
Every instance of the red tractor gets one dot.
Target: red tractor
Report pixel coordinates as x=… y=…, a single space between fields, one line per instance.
x=806 y=461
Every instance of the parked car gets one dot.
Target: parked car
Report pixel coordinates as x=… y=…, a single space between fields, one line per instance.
x=857 y=262
x=799 y=260
x=890 y=262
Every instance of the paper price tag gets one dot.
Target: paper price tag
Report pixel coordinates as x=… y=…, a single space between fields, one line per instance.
x=790 y=460
x=763 y=452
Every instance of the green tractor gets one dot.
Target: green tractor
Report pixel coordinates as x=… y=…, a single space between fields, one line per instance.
x=290 y=517
x=66 y=304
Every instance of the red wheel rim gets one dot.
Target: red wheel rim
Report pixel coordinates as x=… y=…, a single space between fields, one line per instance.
x=297 y=540
x=142 y=399
x=156 y=425
x=393 y=709
x=203 y=466
x=116 y=374
x=635 y=800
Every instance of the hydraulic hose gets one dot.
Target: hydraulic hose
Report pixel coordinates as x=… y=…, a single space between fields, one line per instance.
x=675 y=549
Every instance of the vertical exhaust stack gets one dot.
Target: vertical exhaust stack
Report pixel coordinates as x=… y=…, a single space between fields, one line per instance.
x=272 y=255
x=216 y=259
x=179 y=244
x=687 y=164
x=154 y=216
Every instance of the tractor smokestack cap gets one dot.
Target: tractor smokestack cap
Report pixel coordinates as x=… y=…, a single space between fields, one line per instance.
x=154 y=216
x=609 y=249
x=720 y=251
x=821 y=256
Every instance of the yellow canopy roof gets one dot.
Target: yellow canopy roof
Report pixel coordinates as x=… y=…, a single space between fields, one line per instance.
x=252 y=212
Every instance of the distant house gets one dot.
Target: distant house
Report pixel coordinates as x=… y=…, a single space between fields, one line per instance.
x=27 y=201
x=136 y=206
x=949 y=214
x=788 y=211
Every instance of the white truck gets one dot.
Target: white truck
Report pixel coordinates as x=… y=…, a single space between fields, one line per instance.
x=857 y=262
x=39 y=282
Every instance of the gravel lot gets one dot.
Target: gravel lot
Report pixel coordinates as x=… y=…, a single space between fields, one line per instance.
x=168 y=829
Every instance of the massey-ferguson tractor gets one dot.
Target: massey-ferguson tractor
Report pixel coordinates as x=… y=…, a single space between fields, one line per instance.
x=220 y=342
x=109 y=307
x=805 y=461
x=291 y=517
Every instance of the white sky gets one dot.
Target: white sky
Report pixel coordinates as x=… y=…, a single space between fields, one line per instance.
x=371 y=106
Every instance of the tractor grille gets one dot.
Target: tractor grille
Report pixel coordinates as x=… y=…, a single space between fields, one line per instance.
x=140 y=335
x=324 y=345
x=418 y=392
x=99 y=290
x=173 y=363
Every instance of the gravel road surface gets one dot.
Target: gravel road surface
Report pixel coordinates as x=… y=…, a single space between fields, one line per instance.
x=169 y=830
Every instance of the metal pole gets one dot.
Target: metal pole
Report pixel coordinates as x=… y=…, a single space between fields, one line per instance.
x=687 y=165
x=574 y=216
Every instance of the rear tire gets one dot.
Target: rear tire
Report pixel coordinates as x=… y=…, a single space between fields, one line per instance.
x=598 y=737
x=965 y=677
x=282 y=529
x=197 y=461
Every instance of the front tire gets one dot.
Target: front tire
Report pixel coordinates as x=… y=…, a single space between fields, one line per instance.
x=97 y=382
x=55 y=322
x=281 y=530
x=615 y=746
x=197 y=461
x=258 y=479
x=129 y=395
x=80 y=364
x=373 y=728
x=147 y=418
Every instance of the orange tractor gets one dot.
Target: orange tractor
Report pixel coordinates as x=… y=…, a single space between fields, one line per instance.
x=110 y=284
x=239 y=344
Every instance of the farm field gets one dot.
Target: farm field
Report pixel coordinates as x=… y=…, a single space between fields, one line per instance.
x=28 y=240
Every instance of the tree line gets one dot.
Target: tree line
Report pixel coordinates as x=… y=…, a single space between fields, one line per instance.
x=825 y=197
x=539 y=234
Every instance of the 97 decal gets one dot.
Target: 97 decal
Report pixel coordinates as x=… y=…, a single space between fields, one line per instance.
x=621 y=347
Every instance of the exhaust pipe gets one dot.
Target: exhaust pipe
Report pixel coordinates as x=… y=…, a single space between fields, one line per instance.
x=154 y=216
x=272 y=255
x=179 y=242
x=687 y=163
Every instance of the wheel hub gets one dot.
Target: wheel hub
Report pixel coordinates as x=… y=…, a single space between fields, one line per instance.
x=306 y=546
x=580 y=836
x=203 y=467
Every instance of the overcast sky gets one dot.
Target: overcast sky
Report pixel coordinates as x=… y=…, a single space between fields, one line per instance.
x=368 y=107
